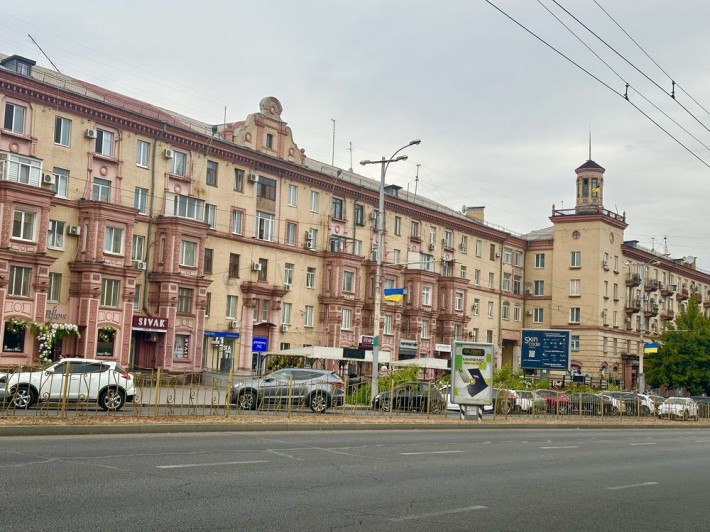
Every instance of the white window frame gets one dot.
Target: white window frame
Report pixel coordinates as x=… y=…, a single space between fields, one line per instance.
x=19 y=282
x=110 y=292
x=142 y=153
x=292 y=195
x=310 y=277
x=188 y=253
x=315 y=200
x=346 y=319
x=291 y=231
x=575 y=259
x=61 y=182
x=18 y=119
x=113 y=240
x=265 y=226
x=426 y=295
x=101 y=189
x=178 y=164
x=237 y=222
x=539 y=261
x=55 y=234
x=140 y=199
x=54 y=291
x=62 y=131
x=104 y=142
x=24 y=225
x=348 y=281
x=137 y=247
x=575 y=315
x=308 y=316
x=575 y=287
x=538 y=315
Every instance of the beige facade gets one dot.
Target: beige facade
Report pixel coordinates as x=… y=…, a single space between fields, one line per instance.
x=187 y=246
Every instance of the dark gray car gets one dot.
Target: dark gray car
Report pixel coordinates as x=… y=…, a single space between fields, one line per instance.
x=317 y=389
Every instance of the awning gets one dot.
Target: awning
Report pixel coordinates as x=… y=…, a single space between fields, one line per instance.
x=424 y=363
x=327 y=353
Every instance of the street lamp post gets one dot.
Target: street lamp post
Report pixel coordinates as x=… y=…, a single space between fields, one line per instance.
x=642 y=328
x=384 y=163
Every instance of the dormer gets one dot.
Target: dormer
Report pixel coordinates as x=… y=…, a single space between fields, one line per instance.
x=19 y=64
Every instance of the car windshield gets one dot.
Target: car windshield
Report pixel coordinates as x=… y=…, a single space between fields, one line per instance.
x=675 y=401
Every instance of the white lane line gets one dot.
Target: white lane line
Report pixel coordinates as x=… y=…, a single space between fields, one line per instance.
x=702 y=441
x=561 y=447
x=629 y=486
x=646 y=443
x=283 y=454
x=211 y=464
x=432 y=452
x=437 y=514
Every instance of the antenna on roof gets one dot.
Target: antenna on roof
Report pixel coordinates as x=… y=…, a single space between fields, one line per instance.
x=416 y=181
x=45 y=55
x=350 y=149
x=665 y=246
x=590 y=143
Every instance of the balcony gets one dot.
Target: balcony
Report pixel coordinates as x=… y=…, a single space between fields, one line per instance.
x=633 y=279
x=667 y=289
x=667 y=315
x=650 y=285
x=682 y=294
x=633 y=305
x=650 y=310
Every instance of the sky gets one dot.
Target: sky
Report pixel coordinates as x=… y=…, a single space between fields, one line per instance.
x=504 y=119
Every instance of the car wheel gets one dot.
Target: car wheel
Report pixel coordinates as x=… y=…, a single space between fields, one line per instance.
x=685 y=415
x=247 y=401
x=112 y=399
x=645 y=411
x=23 y=397
x=318 y=403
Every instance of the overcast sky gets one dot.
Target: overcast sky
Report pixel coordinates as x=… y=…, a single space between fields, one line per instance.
x=504 y=120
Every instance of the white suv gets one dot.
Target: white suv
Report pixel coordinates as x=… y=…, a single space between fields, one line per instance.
x=72 y=380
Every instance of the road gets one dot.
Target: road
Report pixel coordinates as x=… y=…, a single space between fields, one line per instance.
x=361 y=480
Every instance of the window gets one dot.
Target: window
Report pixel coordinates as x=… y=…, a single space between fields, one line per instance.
x=292 y=195
x=211 y=215
x=181 y=348
x=184 y=303
x=491 y=280
x=518 y=258
x=463 y=245
x=286 y=313
x=231 y=310
x=426 y=261
x=15 y=118
x=110 y=292
x=265 y=307
x=310 y=277
x=142 y=153
x=458 y=301
x=357 y=250
x=13 y=341
x=186 y=207
x=539 y=288
x=575 y=259
x=270 y=141
x=178 y=164
x=315 y=197
x=137 y=297
x=387 y=324
x=517 y=284
x=462 y=272
x=476 y=306
x=291 y=233
x=55 y=287
x=188 y=253
x=489 y=336
x=505 y=311
x=233 y=265
x=479 y=248
x=574 y=343
x=104 y=142
x=398 y=225
x=538 y=315
x=208 y=304
x=396 y=256
x=101 y=189
x=138 y=247
x=238 y=180
x=113 y=240
x=507 y=256
x=22 y=170
x=209 y=257
x=477 y=277
x=346 y=317
x=61 y=182
x=447 y=268
x=574 y=315
x=308 y=316
x=492 y=251
x=448 y=239
x=19 y=283
x=62 y=131
x=506 y=281
x=211 y=175
x=336 y=209
x=266 y=188
x=264 y=226
x=490 y=309
x=426 y=295
x=23 y=226
x=516 y=313
x=140 y=196
x=264 y=268
x=425 y=328
x=105 y=339
x=288 y=273
x=575 y=287
x=539 y=260
x=414 y=229
x=348 y=281
x=238 y=222
x=432 y=235
x=359 y=215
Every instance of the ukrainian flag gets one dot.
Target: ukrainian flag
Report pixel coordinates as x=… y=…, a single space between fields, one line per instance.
x=650 y=348
x=394 y=294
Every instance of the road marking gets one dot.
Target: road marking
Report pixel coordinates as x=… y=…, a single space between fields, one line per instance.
x=562 y=447
x=633 y=486
x=437 y=514
x=646 y=443
x=211 y=464
x=702 y=441
x=432 y=452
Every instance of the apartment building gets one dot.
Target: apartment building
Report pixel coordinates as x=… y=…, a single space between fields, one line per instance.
x=135 y=234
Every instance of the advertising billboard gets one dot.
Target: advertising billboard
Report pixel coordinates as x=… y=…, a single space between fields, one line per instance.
x=472 y=373
x=545 y=349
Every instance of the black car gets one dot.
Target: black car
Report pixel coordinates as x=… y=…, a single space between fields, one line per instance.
x=420 y=396
x=703 y=403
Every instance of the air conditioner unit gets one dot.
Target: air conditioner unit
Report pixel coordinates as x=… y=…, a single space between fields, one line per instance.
x=528 y=313
x=48 y=179
x=256 y=266
x=284 y=328
x=310 y=245
x=373 y=215
x=141 y=265
x=90 y=133
x=233 y=324
x=470 y=334
x=528 y=292
x=461 y=246
x=497 y=254
x=288 y=287
x=431 y=247
x=74 y=230
x=168 y=154
x=253 y=178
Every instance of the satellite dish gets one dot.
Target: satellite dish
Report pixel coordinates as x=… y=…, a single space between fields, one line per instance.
x=463 y=209
x=689 y=259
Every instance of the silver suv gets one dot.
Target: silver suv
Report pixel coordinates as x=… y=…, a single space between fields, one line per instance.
x=317 y=389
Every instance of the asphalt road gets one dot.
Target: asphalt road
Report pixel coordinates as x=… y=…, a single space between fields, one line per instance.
x=617 y=479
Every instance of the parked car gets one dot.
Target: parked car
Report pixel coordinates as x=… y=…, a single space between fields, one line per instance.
x=613 y=405
x=555 y=402
x=455 y=407
x=649 y=403
x=703 y=403
x=72 y=380
x=420 y=396
x=678 y=407
x=586 y=404
x=317 y=389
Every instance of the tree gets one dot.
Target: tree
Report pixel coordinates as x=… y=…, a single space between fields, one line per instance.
x=683 y=357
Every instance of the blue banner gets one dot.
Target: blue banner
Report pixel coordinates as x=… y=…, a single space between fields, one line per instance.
x=545 y=349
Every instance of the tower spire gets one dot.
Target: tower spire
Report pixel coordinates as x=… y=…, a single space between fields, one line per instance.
x=590 y=143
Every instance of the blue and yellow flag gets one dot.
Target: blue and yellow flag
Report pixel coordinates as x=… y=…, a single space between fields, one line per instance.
x=394 y=294
x=650 y=348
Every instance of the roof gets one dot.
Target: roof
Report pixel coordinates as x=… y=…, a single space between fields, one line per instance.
x=590 y=165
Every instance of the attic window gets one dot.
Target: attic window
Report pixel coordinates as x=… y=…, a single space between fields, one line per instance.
x=270 y=141
x=18 y=64
x=392 y=190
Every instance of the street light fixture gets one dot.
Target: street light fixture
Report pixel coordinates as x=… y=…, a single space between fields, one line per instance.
x=384 y=164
